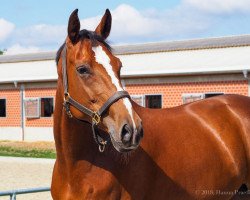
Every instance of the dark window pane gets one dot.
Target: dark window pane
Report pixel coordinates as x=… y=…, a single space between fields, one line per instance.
x=208 y=95
x=153 y=101
x=47 y=107
x=2 y=107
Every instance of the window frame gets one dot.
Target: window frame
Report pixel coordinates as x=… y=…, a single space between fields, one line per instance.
x=46 y=97
x=157 y=94
x=190 y=95
x=203 y=95
x=144 y=98
x=139 y=95
x=216 y=94
x=4 y=98
x=38 y=107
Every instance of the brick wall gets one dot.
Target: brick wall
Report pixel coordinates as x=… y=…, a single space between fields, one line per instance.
x=172 y=92
x=172 y=96
x=13 y=108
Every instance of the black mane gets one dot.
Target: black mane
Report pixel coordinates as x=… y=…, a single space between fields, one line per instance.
x=85 y=34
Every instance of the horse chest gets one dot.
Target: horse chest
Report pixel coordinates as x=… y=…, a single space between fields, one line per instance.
x=95 y=184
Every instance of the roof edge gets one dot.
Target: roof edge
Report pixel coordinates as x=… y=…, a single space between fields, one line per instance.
x=127 y=76
x=153 y=47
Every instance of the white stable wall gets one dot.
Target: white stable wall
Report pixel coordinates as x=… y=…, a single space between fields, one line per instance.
x=220 y=60
x=217 y=60
x=11 y=133
x=30 y=133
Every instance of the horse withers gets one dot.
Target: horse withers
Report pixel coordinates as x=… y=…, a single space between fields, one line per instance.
x=195 y=151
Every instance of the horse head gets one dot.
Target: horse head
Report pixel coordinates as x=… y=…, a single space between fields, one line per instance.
x=93 y=82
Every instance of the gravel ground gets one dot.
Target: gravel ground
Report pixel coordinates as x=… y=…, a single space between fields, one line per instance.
x=22 y=173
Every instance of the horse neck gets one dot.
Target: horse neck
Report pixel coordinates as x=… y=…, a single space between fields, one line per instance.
x=73 y=139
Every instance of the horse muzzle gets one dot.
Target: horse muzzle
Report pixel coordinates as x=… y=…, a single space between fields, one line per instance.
x=129 y=138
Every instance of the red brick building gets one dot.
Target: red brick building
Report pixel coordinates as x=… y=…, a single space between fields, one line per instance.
x=156 y=75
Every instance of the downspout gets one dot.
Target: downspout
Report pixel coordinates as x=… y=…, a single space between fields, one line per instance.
x=245 y=74
x=22 y=107
x=22 y=89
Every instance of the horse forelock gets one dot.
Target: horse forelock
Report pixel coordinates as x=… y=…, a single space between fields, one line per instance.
x=86 y=34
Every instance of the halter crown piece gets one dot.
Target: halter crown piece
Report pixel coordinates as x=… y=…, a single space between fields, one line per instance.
x=95 y=115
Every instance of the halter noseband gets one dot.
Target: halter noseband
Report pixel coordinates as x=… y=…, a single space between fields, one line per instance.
x=95 y=115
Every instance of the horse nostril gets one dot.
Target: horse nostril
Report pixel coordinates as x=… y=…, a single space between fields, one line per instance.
x=126 y=134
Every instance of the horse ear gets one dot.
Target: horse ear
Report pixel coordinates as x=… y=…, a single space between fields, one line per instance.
x=74 y=26
x=104 y=27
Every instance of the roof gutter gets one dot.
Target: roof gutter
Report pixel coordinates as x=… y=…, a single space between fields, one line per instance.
x=138 y=75
x=28 y=81
x=187 y=73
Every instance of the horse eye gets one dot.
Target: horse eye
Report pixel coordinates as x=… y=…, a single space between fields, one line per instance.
x=83 y=70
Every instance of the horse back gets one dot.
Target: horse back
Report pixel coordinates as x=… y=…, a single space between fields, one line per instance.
x=199 y=143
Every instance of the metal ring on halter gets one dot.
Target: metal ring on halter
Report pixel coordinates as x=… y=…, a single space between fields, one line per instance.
x=102 y=146
x=69 y=114
x=96 y=118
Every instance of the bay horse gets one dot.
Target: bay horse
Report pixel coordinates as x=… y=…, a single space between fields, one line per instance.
x=108 y=147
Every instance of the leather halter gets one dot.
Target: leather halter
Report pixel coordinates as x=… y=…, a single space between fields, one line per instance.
x=95 y=115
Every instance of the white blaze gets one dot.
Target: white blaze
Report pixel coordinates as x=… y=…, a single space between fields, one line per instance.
x=103 y=59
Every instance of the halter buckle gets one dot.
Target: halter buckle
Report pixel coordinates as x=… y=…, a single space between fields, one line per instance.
x=102 y=146
x=66 y=104
x=96 y=118
x=66 y=96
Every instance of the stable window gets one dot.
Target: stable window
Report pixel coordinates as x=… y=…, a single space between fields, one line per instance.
x=32 y=108
x=153 y=101
x=212 y=94
x=139 y=99
x=2 y=107
x=188 y=98
x=47 y=107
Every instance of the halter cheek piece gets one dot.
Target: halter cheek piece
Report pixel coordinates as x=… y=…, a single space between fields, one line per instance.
x=95 y=115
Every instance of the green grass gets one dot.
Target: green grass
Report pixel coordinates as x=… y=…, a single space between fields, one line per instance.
x=22 y=152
